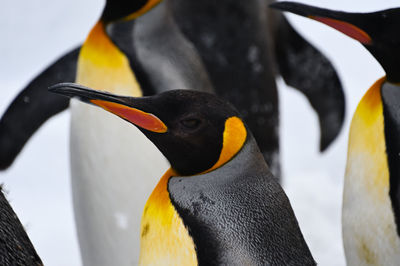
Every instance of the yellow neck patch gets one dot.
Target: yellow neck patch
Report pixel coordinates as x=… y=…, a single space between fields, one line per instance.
x=234 y=137
x=367 y=143
x=164 y=238
x=103 y=66
x=370 y=106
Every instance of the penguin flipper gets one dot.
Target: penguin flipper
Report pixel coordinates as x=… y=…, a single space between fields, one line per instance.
x=33 y=106
x=305 y=68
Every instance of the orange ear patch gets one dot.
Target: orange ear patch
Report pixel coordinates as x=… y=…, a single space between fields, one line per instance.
x=135 y=116
x=346 y=28
x=149 y=5
x=234 y=137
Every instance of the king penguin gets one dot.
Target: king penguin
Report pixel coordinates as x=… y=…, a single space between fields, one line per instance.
x=218 y=204
x=371 y=195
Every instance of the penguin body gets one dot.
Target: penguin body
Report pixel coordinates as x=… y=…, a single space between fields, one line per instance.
x=218 y=204
x=108 y=204
x=370 y=213
x=101 y=64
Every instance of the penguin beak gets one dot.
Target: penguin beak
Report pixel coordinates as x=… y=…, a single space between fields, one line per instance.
x=341 y=21
x=124 y=107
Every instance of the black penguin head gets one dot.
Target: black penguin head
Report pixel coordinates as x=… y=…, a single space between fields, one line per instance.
x=196 y=131
x=126 y=9
x=377 y=31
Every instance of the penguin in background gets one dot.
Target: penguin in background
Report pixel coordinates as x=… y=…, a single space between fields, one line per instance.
x=244 y=47
x=241 y=59
x=114 y=57
x=218 y=204
x=371 y=195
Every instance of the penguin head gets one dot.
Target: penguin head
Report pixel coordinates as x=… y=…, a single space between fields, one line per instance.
x=126 y=9
x=377 y=31
x=196 y=131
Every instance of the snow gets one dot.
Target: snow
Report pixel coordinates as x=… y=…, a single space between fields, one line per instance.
x=36 y=32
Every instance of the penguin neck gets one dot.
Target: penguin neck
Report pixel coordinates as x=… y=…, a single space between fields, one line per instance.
x=194 y=197
x=103 y=66
x=208 y=156
x=388 y=57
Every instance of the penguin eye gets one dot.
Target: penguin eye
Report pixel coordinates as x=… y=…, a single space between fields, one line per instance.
x=191 y=123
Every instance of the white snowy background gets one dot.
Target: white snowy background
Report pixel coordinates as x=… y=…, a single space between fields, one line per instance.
x=34 y=33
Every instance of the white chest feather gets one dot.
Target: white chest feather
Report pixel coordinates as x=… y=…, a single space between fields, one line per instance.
x=369 y=230
x=114 y=170
x=113 y=166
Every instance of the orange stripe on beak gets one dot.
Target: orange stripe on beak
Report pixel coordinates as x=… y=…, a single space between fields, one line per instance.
x=135 y=116
x=346 y=28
